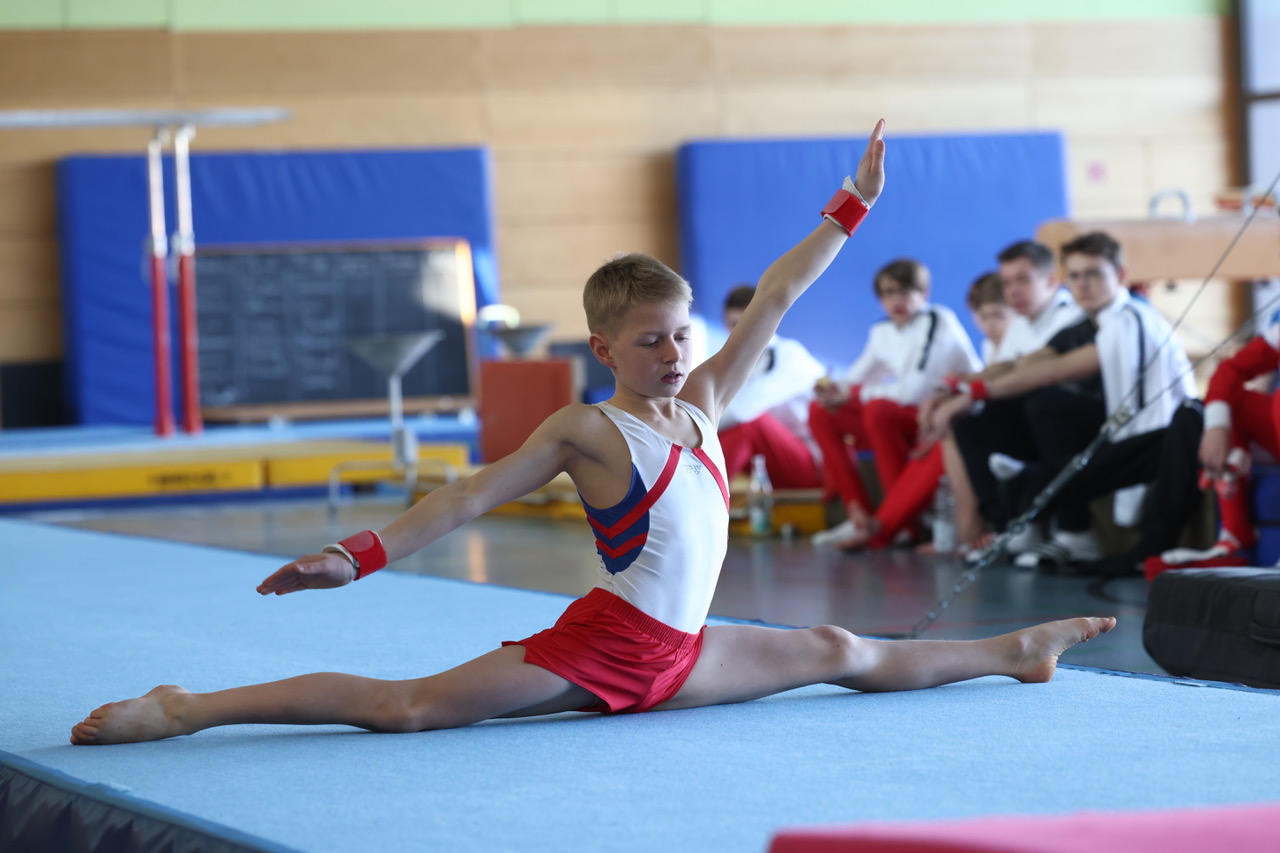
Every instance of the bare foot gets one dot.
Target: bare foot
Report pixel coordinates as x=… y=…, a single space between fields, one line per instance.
x=150 y=717
x=1035 y=651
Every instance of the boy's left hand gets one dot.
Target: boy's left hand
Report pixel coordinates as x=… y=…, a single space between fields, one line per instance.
x=314 y=571
x=870 y=177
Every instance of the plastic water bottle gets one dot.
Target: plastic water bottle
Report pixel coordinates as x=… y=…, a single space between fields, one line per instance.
x=944 y=518
x=760 y=499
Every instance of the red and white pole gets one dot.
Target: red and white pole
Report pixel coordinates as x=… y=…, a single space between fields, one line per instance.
x=159 y=285
x=185 y=248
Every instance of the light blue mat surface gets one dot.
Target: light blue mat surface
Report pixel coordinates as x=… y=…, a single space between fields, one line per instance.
x=86 y=618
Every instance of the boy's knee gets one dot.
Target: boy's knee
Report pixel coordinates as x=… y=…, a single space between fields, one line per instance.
x=841 y=646
x=400 y=712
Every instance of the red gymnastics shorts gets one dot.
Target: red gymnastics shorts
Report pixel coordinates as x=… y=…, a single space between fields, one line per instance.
x=628 y=659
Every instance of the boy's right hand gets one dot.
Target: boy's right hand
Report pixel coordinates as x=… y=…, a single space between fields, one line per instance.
x=314 y=571
x=870 y=177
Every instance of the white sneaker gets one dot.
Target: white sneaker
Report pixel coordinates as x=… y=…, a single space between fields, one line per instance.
x=1004 y=467
x=1062 y=550
x=842 y=532
x=1027 y=539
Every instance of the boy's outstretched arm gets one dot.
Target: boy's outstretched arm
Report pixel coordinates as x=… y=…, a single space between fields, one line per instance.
x=716 y=382
x=552 y=448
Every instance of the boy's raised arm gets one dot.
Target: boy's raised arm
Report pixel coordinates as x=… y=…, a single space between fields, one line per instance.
x=716 y=382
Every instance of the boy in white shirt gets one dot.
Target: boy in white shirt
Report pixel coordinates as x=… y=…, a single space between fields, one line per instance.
x=1143 y=367
x=770 y=415
x=1028 y=273
x=874 y=405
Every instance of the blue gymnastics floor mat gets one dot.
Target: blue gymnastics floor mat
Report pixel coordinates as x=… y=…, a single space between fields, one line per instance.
x=87 y=618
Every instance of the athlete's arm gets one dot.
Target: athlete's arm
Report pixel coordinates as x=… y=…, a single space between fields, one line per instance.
x=713 y=384
x=569 y=438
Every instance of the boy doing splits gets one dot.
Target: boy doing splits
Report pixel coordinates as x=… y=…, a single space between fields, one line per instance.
x=637 y=641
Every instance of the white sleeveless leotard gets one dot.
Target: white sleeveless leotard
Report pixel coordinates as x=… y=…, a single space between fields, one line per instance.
x=662 y=546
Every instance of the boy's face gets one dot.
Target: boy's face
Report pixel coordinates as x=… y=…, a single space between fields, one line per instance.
x=899 y=302
x=731 y=317
x=1093 y=281
x=1027 y=290
x=650 y=352
x=993 y=319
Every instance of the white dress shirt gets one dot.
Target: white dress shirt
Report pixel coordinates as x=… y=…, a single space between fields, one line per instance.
x=905 y=364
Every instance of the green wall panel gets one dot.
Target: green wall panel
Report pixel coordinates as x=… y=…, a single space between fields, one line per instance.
x=31 y=15
x=134 y=14
x=586 y=12
x=661 y=11
x=333 y=15
x=427 y=14
x=950 y=11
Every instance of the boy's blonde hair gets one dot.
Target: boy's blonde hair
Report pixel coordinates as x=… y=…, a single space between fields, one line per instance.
x=626 y=280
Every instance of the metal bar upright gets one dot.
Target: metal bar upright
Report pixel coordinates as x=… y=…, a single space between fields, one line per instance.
x=184 y=246
x=164 y=424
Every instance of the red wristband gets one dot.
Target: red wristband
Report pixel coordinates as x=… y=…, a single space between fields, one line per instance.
x=846 y=210
x=978 y=390
x=366 y=547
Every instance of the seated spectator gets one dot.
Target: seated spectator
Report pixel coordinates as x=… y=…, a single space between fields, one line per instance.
x=770 y=415
x=1028 y=273
x=914 y=491
x=874 y=405
x=1235 y=419
x=1144 y=369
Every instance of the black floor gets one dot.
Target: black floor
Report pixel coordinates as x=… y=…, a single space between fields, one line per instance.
x=779 y=582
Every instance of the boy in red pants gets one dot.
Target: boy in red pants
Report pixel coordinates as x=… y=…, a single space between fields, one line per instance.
x=914 y=490
x=874 y=405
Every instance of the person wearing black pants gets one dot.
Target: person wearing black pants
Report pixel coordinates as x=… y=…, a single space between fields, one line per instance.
x=1143 y=368
x=1163 y=459
x=1046 y=423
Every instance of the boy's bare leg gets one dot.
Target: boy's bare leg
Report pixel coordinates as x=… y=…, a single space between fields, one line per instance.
x=743 y=662
x=497 y=684
x=970 y=527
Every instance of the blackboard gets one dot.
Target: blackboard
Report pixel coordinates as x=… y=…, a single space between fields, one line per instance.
x=273 y=321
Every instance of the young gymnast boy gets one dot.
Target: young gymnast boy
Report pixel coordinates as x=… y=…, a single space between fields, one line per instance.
x=648 y=467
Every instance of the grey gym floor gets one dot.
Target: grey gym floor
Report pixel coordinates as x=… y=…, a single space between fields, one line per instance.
x=773 y=581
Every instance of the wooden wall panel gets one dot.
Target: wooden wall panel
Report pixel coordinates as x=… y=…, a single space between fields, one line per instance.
x=827 y=54
x=1196 y=164
x=30 y=331
x=1109 y=178
x=1129 y=49
x=327 y=64
x=29 y=270
x=27 y=200
x=852 y=108
x=571 y=251
x=568 y=58
x=1160 y=108
x=96 y=64
x=531 y=188
x=584 y=121
x=640 y=120
x=350 y=121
